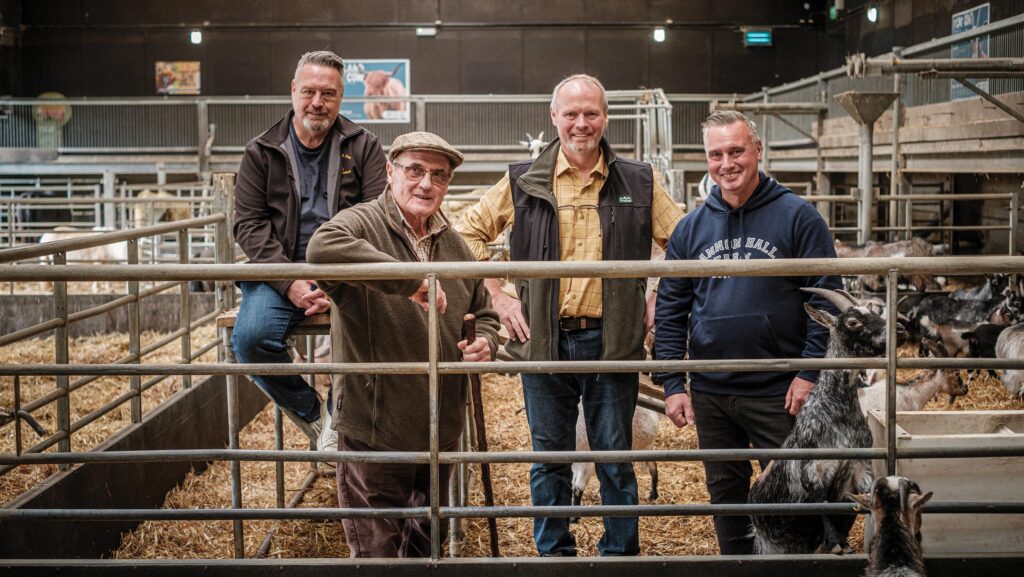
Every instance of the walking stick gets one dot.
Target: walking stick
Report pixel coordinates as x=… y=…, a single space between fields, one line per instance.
x=469 y=332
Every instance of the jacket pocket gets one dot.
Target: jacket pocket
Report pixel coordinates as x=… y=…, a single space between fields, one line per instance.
x=735 y=337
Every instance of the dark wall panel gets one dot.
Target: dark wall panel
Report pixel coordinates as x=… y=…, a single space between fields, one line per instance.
x=111 y=63
x=541 y=72
x=250 y=46
x=683 y=62
x=236 y=62
x=618 y=57
x=498 y=70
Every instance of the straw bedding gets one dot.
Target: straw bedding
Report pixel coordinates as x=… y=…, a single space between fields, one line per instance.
x=507 y=431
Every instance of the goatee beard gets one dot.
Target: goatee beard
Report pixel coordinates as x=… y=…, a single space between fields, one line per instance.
x=314 y=125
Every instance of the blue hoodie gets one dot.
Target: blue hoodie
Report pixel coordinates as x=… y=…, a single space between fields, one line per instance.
x=744 y=317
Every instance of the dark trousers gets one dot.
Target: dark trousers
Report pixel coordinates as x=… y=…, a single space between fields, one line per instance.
x=386 y=485
x=609 y=400
x=734 y=422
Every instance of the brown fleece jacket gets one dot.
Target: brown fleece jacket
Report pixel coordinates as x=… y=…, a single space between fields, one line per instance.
x=375 y=322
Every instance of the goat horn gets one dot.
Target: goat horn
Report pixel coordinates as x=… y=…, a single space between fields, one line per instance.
x=840 y=298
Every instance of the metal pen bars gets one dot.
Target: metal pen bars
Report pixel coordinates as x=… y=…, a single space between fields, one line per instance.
x=433 y=368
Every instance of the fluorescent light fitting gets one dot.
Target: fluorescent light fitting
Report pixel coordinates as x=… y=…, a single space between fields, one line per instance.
x=659 y=34
x=196 y=36
x=426 y=31
x=754 y=37
x=872 y=13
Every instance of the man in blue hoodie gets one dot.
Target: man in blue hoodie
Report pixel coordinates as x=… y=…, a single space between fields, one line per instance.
x=748 y=215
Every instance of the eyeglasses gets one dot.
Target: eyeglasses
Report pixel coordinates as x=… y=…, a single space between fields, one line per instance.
x=416 y=172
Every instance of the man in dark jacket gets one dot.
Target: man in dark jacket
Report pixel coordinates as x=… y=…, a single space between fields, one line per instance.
x=375 y=322
x=748 y=215
x=294 y=177
x=577 y=201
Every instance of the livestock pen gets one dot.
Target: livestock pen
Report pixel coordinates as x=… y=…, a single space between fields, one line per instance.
x=652 y=565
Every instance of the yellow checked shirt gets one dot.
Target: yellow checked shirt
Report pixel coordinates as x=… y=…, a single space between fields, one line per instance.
x=579 y=227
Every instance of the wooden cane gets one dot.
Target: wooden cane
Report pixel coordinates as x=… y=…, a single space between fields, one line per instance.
x=469 y=333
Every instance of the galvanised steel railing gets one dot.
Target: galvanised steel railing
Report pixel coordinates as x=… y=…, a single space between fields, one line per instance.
x=433 y=367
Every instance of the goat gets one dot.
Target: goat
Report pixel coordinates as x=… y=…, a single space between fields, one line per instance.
x=382 y=83
x=915 y=247
x=895 y=550
x=146 y=213
x=108 y=253
x=981 y=344
x=1011 y=346
x=831 y=419
x=645 y=431
x=993 y=285
x=534 y=145
x=914 y=394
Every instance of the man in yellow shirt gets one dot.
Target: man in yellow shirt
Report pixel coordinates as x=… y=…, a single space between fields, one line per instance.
x=577 y=201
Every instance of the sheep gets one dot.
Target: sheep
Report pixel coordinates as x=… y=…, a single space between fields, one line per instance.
x=895 y=550
x=915 y=247
x=534 y=145
x=146 y=213
x=108 y=253
x=914 y=394
x=831 y=419
x=645 y=431
x=382 y=83
x=1011 y=346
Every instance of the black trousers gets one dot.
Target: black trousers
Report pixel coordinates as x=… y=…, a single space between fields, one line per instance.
x=735 y=422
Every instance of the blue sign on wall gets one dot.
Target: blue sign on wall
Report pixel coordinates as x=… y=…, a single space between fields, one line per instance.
x=376 y=78
x=976 y=47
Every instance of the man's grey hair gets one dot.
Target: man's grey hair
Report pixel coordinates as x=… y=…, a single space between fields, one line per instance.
x=324 y=58
x=725 y=118
x=584 y=78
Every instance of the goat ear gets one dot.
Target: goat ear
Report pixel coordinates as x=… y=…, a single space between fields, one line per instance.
x=916 y=501
x=524 y=143
x=821 y=317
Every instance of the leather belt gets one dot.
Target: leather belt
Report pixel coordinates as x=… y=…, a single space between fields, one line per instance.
x=570 y=324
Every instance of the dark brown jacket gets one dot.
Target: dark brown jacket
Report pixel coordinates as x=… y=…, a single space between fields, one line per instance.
x=267 y=198
x=375 y=322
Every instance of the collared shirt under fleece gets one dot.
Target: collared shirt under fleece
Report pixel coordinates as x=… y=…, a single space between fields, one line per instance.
x=579 y=227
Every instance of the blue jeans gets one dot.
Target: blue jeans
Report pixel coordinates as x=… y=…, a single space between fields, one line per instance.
x=265 y=321
x=609 y=400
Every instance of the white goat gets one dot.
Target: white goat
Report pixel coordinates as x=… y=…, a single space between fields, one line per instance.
x=534 y=145
x=914 y=394
x=104 y=254
x=1011 y=346
x=895 y=549
x=645 y=431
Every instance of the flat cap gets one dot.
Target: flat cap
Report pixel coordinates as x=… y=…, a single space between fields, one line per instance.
x=424 y=141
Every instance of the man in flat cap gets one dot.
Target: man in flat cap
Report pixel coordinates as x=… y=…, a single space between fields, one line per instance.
x=386 y=321
x=294 y=177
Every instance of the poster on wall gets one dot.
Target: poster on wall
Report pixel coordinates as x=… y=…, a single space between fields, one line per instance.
x=177 y=77
x=376 y=78
x=976 y=47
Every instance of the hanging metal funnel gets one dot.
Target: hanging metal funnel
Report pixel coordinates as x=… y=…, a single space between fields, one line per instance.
x=865 y=108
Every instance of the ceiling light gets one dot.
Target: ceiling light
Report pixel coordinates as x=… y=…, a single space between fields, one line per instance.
x=196 y=36
x=426 y=31
x=872 y=13
x=659 y=34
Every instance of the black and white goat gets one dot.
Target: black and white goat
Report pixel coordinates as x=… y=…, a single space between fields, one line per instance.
x=895 y=549
x=831 y=419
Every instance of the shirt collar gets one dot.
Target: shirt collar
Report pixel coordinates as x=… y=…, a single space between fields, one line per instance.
x=562 y=165
x=436 y=224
